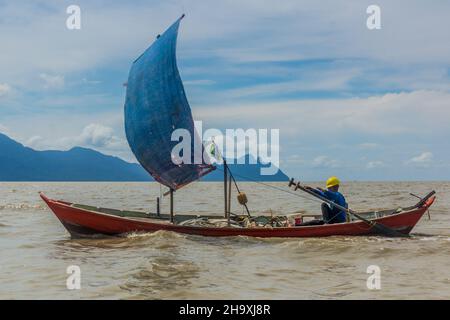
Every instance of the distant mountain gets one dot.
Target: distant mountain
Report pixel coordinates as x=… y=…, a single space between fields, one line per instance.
x=20 y=163
x=246 y=172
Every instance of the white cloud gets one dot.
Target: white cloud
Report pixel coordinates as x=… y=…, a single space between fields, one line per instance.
x=425 y=159
x=295 y=159
x=245 y=34
x=97 y=135
x=52 y=81
x=34 y=37
x=68 y=101
x=94 y=135
x=35 y=142
x=4 y=129
x=385 y=115
x=325 y=162
x=375 y=164
x=4 y=89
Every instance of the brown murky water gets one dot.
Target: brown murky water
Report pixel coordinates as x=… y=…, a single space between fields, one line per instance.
x=36 y=249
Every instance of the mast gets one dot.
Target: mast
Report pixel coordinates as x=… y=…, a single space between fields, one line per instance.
x=158 y=208
x=229 y=199
x=225 y=182
x=171 y=205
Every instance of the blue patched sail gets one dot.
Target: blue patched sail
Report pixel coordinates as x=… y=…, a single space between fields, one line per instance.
x=155 y=106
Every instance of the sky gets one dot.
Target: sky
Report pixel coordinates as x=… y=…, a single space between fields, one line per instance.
x=348 y=101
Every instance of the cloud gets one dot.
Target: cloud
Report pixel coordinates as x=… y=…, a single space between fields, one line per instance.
x=378 y=116
x=296 y=159
x=4 y=89
x=325 y=162
x=35 y=38
x=4 y=129
x=375 y=164
x=425 y=159
x=313 y=70
x=52 y=81
x=94 y=135
x=35 y=142
x=70 y=100
x=100 y=136
x=387 y=125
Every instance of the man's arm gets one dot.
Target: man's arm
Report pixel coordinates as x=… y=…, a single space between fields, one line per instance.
x=318 y=191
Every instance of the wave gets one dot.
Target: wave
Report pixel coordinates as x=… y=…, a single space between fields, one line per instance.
x=21 y=206
x=426 y=237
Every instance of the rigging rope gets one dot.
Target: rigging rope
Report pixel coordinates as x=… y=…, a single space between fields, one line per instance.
x=276 y=188
x=271 y=186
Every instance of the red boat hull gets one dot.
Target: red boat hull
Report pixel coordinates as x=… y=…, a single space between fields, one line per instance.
x=82 y=222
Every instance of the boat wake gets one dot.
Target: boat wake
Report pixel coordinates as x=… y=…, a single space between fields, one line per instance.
x=160 y=234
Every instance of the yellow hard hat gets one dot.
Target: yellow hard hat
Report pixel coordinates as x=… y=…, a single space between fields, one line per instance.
x=332 y=181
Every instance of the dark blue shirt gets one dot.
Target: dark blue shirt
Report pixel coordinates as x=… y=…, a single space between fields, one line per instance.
x=337 y=198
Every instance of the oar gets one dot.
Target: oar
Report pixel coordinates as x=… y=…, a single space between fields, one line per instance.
x=373 y=224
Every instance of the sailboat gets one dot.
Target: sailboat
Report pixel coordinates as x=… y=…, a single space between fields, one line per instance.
x=155 y=105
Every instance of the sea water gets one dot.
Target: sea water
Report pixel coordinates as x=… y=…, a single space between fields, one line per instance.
x=37 y=252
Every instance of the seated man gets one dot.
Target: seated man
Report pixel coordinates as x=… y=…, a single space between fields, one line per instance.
x=332 y=214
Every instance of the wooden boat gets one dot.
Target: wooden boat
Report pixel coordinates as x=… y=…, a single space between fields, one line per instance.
x=156 y=106
x=85 y=221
